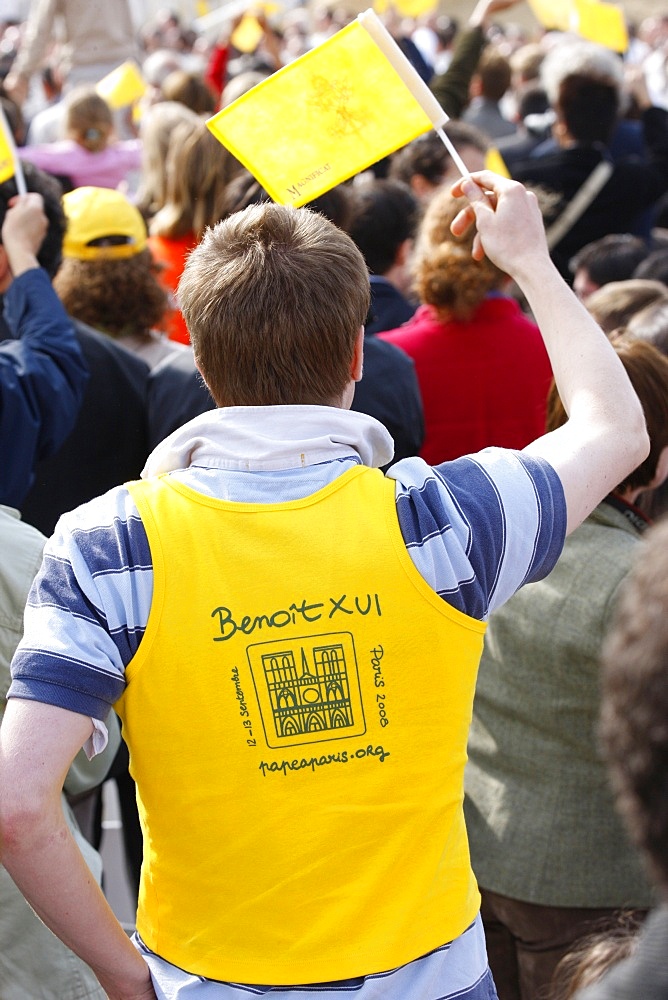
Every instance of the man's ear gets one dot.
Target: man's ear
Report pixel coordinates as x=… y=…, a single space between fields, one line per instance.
x=357 y=363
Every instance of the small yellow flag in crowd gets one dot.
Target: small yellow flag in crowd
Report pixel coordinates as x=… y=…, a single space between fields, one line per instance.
x=6 y=158
x=407 y=8
x=123 y=86
x=10 y=165
x=330 y=114
x=603 y=23
x=495 y=162
x=598 y=22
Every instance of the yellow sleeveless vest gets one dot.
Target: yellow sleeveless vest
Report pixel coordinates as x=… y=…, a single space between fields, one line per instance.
x=297 y=716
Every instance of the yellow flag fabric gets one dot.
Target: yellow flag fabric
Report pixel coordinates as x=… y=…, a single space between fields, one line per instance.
x=495 y=162
x=407 y=8
x=248 y=34
x=603 y=23
x=123 y=86
x=554 y=14
x=598 y=22
x=328 y=115
x=7 y=157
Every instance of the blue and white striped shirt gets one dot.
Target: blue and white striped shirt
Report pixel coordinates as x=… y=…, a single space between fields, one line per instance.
x=476 y=528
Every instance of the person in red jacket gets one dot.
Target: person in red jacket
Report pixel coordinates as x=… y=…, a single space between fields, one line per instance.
x=483 y=372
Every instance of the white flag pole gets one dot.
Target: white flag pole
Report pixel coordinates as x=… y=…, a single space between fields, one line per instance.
x=449 y=145
x=412 y=79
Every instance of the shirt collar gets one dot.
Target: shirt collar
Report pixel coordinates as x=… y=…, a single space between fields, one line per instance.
x=270 y=438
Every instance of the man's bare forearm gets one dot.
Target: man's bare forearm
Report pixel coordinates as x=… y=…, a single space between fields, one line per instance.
x=605 y=438
x=41 y=855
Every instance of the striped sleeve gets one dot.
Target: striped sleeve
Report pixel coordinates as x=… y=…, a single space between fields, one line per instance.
x=481 y=526
x=87 y=610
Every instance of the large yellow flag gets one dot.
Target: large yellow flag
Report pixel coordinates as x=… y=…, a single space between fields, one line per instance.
x=334 y=111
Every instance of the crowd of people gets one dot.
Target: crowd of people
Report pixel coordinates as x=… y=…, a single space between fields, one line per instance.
x=428 y=408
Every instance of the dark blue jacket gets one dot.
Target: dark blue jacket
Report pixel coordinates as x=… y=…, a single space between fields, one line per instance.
x=42 y=381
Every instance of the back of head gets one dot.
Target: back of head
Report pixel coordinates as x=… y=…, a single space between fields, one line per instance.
x=157 y=124
x=198 y=170
x=583 y=82
x=385 y=216
x=446 y=275
x=651 y=323
x=654 y=267
x=647 y=370
x=526 y=61
x=50 y=252
x=428 y=156
x=591 y=957
x=615 y=304
x=189 y=89
x=88 y=119
x=494 y=73
x=635 y=703
x=107 y=279
x=614 y=257
x=274 y=299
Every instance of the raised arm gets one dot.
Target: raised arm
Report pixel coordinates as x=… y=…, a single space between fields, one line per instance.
x=451 y=88
x=42 y=371
x=605 y=437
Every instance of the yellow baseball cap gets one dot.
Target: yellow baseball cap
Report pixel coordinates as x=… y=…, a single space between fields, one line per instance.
x=98 y=214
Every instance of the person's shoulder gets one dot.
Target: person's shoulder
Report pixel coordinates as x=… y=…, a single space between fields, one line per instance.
x=102 y=352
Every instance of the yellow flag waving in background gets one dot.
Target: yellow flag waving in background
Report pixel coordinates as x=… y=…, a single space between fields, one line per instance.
x=598 y=22
x=328 y=115
x=10 y=165
x=123 y=86
x=6 y=158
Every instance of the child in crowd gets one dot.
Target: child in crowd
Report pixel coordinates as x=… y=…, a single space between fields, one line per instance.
x=90 y=155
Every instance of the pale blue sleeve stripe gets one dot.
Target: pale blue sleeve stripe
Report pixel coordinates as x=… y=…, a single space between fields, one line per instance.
x=480 y=526
x=87 y=610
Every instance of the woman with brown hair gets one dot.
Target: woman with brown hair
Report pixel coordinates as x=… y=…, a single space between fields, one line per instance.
x=481 y=364
x=197 y=172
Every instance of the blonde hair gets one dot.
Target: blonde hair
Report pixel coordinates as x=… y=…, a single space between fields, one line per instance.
x=157 y=125
x=197 y=173
x=446 y=275
x=88 y=119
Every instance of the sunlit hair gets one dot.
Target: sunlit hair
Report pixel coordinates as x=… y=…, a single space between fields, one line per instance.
x=577 y=57
x=592 y=956
x=446 y=275
x=614 y=305
x=274 y=299
x=88 y=119
x=647 y=370
x=189 y=89
x=197 y=173
x=157 y=124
